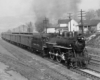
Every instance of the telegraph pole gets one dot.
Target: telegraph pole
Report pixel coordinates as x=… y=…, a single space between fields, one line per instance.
x=70 y=20
x=82 y=27
x=45 y=23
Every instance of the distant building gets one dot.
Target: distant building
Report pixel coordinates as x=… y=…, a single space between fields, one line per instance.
x=98 y=27
x=69 y=25
x=51 y=30
x=92 y=25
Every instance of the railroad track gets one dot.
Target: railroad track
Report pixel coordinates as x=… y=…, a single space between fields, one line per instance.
x=93 y=75
x=89 y=73
x=95 y=62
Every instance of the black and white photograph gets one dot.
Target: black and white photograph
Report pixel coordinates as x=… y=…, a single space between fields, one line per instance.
x=49 y=39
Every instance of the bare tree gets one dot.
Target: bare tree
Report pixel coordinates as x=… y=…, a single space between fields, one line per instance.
x=98 y=12
x=91 y=14
x=41 y=24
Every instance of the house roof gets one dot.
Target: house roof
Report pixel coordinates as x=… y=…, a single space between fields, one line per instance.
x=94 y=22
x=90 y=22
x=61 y=21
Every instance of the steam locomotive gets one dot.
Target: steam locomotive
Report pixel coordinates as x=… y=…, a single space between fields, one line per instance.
x=65 y=48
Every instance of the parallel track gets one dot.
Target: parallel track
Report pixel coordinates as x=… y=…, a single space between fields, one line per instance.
x=93 y=74
x=88 y=73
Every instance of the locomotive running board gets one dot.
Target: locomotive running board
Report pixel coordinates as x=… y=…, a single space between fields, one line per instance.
x=62 y=47
x=51 y=43
x=58 y=46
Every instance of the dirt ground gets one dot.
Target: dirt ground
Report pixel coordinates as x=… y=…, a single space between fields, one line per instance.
x=6 y=74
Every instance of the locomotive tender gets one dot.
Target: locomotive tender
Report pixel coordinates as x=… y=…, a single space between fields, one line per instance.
x=62 y=48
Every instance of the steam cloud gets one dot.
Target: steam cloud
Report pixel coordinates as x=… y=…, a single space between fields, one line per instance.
x=55 y=9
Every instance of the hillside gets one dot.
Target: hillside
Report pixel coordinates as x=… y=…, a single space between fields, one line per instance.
x=94 y=40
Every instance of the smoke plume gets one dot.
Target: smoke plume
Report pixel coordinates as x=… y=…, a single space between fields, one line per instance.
x=55 y=9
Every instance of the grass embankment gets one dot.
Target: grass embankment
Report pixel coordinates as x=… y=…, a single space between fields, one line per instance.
x=94 y=41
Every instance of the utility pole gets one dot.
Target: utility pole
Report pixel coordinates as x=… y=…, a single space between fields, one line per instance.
x=45 y=23
x=19 y=29
x=23 y=28
x=70 y=20
x=82 y=27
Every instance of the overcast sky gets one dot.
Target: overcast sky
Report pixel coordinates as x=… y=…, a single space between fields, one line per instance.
x=16 y=12
x=89 y=4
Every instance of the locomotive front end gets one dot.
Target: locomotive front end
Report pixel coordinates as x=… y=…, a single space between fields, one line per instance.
x=81 y=53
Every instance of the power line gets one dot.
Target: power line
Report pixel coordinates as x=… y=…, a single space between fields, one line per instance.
x=70 y=15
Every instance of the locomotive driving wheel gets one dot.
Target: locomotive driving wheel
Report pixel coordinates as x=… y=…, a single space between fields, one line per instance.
x=58 y=56
x=52 y=54
x=45 y=52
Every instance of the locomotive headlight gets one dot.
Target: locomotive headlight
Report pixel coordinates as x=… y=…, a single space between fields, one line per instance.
x=70 y=45
x=82 y=38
